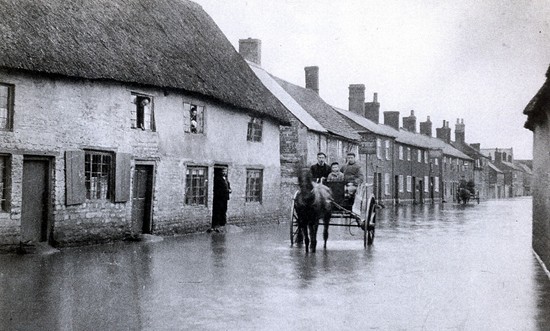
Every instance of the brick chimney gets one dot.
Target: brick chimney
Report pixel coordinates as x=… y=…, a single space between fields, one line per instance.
x=476 y=146
x=444 y=133
x=251 y=50
x=460 y=131
x=498 y=156
x=409 y=122
x=426 y=127
x=357 y=99
x=372 y=109
x=391 y=118
x=312 y=78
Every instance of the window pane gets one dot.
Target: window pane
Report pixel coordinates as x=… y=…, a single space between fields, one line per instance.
x=97 y=170
x=196 y=186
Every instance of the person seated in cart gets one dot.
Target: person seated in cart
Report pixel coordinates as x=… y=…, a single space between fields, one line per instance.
x=335 y=175
x=353 y=176
x=320 y=170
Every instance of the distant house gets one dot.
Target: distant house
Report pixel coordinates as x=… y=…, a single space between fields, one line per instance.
x=406 y=166
x=114 y=116
x=315 y=125
x=503 y=158
x=496 y=188
x=538 y=115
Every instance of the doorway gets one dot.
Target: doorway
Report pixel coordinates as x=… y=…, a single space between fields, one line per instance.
x=142 y=199
x=219 y=202
x=35 y=199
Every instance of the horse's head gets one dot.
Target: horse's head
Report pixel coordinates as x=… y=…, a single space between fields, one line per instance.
x=305 y=180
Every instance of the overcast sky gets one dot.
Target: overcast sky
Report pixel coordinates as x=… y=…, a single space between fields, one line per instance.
x=477 y=60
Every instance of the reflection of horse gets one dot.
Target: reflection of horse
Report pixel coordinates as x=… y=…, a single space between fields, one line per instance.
x=312 y=203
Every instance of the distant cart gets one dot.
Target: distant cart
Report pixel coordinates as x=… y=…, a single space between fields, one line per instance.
x=464 y=196
x=357 y=210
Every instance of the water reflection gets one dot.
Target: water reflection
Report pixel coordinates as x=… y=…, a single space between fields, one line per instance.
x=431 y=267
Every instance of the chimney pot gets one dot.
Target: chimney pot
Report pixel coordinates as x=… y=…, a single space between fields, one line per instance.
x=375 y=97
x=312 y=78
x=251 y=50
x=357 y=99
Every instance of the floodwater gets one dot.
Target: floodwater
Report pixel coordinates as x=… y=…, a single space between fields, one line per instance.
x=433 y=267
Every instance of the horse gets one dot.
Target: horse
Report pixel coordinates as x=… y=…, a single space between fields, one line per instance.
x=313 y=202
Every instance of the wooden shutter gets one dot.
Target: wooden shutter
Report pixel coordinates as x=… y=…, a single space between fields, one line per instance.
x=122 y=177
x=75 y=188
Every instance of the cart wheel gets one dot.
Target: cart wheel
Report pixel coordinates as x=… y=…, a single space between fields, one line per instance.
x=370 y=224
x=293 y=221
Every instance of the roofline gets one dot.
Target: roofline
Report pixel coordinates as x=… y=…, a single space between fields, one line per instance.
x=192 y=93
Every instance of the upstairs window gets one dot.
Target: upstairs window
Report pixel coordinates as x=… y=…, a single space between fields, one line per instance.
x=408 y=153
x=254 y=183
x=142 y=112
x=387 y=149
x=6 y=106
x=254 y=132
x=419 y=156
x=194 y=118
x=426 y=157
x=196 y=180
x=378 y=148
x=401 y=152
x=97 y=172
x=3 y=183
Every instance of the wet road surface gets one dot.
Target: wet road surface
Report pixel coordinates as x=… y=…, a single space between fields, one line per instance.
x=442 y=267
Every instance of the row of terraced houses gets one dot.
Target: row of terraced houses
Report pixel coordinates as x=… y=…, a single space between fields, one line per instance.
x=114 y=116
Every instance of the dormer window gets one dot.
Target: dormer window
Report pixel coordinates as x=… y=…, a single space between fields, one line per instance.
x=194 y=118
x=142 y=112
x=254 y=132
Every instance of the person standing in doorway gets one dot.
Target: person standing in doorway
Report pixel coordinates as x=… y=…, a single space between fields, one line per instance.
x=222 y=190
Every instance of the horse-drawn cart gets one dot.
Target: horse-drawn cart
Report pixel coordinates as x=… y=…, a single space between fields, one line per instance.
x=348 y=210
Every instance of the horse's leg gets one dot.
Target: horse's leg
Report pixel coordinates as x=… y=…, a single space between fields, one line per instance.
x=306 y=237
x=313 y=234
x=326 y=221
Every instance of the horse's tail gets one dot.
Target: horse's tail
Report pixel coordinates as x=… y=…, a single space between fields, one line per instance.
x=323 y=196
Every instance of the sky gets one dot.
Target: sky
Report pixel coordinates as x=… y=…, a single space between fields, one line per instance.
x=481 y=61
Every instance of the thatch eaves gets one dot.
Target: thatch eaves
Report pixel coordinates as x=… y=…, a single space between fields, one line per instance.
x=163 y=43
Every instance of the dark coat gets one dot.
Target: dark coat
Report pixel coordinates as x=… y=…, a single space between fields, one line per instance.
x=318 y=171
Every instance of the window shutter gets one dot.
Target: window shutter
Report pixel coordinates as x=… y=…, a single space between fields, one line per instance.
x=186 y=119
x=122 y=177
x=75 y=188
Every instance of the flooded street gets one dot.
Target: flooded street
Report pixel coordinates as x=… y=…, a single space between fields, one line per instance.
x=442 y=267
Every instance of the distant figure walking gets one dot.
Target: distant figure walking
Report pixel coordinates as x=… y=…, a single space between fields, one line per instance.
x=222 y=190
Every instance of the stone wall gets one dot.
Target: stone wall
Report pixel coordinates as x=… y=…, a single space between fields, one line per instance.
x=54 y=115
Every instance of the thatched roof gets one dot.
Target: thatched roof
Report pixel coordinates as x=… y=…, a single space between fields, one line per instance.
x=535 y=108
x=322 y=112
x=163 y=43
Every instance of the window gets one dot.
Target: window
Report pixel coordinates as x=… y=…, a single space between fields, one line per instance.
x=97 y=173
x=339 y=149
x=387 y=149
x=142 y=112
x=378 y=148
x=419 y=156
x=193 y=118
x=6 y=106
x=408 y=153
x=436 y=184
x=426 y=157
x=426 y=183
x=254 y=132
x=387 y=184
x=409 y=184
x=436 y=161
x=3 y=183
x=401 y=183
x=401 y=152
x=254 y=179
x=196 y=188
